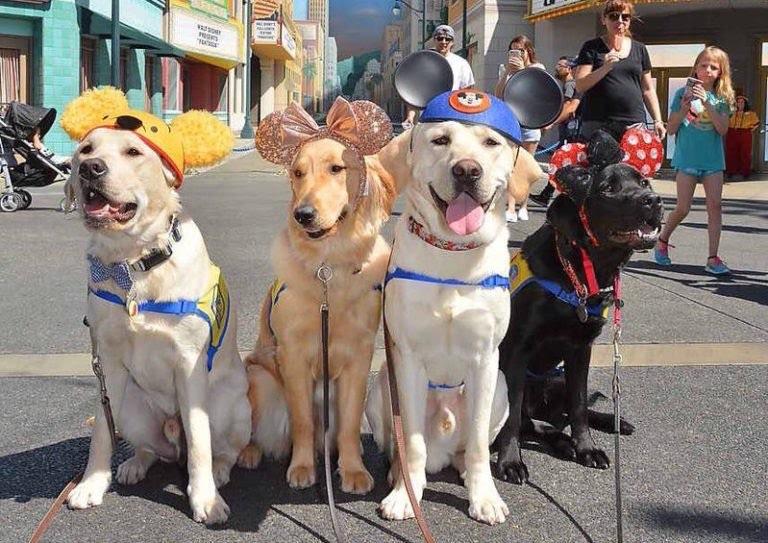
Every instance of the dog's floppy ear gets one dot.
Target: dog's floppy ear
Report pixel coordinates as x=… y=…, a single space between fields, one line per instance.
x=421 y=76
x=395 y=159
x=603 y=150
x=563 y=215
x=575 y=182
x=526 y=172
x=534 y=96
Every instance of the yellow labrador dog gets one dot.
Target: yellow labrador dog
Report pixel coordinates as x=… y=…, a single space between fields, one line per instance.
x=159 y=314
x=447 y=308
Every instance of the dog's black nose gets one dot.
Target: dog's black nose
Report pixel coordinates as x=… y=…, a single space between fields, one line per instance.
x=467 y=171
x=652 y=200
x=304 y=215
x=92 y=169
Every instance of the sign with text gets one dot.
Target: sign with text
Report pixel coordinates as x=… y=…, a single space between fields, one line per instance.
x=264 y=31
x=199 y=34
x=539 y=7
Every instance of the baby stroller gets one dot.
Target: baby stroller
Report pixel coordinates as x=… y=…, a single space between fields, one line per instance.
x=37 y=167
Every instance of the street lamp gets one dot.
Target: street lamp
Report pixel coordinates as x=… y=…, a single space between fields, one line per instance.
x=247 y=131
x=396 y=12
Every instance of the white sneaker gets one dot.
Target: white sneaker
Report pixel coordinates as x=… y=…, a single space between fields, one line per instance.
x=511 y=216
x=522 y=214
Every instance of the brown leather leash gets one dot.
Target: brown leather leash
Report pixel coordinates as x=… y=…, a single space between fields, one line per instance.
x=397 y=421
x=47 y=519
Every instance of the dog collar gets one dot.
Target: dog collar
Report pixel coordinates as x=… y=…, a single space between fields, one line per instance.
x=120 y=272
x=414 y=227
x=583 y=292
x=585 y=223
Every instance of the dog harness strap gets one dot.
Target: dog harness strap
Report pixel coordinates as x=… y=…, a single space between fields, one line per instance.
x=589 y=273
x=212 y=307
x=492 y=281
x=436 y=386
x=569 y=297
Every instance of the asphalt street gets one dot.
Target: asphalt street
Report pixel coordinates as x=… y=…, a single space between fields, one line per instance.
x=694 y=471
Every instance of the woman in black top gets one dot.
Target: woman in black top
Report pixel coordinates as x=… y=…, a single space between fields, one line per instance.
x=613 y=74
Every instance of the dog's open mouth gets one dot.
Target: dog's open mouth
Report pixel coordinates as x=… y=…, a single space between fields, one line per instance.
x=643 y=237
x=464 y=214
x=319 y=234
x=100 y=209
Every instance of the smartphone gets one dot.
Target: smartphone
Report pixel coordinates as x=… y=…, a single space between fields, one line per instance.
x=696 y=106
x=691 y=81
x=515 y=53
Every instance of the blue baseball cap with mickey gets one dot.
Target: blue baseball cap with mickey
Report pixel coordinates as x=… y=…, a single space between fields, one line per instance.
x=470 y=106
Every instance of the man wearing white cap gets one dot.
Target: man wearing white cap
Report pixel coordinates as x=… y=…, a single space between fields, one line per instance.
x=463 y=77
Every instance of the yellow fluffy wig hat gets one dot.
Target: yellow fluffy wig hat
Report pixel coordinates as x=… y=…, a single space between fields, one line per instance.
x=195 y=138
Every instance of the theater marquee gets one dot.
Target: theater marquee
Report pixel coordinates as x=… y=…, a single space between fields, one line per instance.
x=544 y=9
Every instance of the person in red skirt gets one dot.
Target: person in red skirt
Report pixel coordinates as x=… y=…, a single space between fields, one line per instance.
x=738 y=142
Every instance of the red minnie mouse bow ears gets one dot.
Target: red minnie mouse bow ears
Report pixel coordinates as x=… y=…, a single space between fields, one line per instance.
x=639 y=147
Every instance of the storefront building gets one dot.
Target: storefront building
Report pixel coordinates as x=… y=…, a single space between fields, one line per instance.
x=675 y=32
x=313 y=52
x=210 y=76
x=51 y=51
x=276 y=63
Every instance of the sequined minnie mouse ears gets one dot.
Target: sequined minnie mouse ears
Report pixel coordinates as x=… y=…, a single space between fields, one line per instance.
x=361 y=125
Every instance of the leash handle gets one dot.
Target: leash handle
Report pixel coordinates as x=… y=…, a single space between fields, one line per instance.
x=325 y=274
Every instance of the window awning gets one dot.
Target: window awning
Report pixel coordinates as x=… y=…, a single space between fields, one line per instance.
x=96 y=25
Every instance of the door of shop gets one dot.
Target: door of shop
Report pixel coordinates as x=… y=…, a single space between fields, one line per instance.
x=668 y=81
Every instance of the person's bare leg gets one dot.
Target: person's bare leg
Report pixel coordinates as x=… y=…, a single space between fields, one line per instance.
x=713 y=190
x=686 y=185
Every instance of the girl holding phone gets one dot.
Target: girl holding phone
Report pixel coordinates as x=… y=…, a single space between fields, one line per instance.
x=699 y=154
x=613 y=74
x=521 y=55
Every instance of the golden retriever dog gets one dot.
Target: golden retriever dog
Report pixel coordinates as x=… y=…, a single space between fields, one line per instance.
x=338 y=204
x=161 y=368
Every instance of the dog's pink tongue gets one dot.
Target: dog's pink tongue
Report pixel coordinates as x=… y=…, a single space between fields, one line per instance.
x=464 y=215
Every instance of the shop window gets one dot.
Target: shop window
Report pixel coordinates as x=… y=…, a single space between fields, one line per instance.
x=149 y=87
x=764 y=54
x=87 y=48
x=223 y=90
x=171 y=86
x=14 y=58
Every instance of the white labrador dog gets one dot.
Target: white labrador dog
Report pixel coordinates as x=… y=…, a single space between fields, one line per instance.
x=444 y=326
x=156 y=365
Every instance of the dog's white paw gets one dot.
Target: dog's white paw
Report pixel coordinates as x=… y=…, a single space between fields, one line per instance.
x=488 y=508
x=356 y=482
x=250 y=457
x=396 y=506
x=208 y=507
x=221 y=470
x=89 y=492
x=301 y=476
x=132 y=470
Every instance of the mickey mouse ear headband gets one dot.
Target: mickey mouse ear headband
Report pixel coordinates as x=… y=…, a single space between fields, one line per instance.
x=532 y=98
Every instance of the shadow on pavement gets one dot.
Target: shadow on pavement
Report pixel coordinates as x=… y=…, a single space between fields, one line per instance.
x=729 y=526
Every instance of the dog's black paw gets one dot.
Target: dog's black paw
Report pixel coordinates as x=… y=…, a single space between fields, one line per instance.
x=513 y=471
x=593 y=458
x=626 y=428
x=565 y=449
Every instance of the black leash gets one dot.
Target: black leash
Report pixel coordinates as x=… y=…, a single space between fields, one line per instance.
x=324 y=274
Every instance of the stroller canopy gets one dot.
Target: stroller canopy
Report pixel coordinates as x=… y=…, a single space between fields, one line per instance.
x=22 y=119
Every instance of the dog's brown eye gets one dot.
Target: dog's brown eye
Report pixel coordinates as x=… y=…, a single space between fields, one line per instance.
x=490 y=142
x=86 y=149
x=297 y=173
x=442 y=140
x=134 y=152
x=336 y=168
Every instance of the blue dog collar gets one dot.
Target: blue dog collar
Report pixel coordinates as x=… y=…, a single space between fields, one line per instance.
x=471 y=106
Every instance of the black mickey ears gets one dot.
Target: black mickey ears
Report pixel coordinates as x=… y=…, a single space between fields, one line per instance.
x=575 y=182
x=534 y=96
x=421 y=76
x=603 y=150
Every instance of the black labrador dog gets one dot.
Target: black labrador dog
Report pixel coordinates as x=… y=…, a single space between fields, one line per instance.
x=562 y=285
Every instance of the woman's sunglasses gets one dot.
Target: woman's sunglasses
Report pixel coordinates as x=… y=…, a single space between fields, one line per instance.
x=615 y=16
x=444 y=38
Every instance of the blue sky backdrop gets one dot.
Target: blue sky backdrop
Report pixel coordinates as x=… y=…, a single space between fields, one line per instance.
x=358 y=25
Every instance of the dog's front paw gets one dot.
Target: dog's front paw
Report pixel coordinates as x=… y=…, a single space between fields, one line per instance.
x=513 y=471
x=89 y=492
x=221 y=470
x=250 y=457
x=356 y=481
x=208 y=507
x=488 y=508
x=133 y=470
x=300 y=476
x=396 y=506
x=592 y=457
